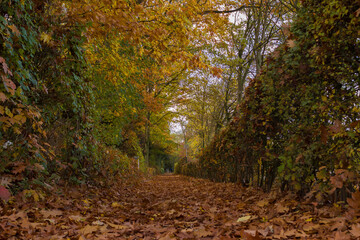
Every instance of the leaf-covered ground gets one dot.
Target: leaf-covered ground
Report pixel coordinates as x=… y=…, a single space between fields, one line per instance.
x=172 y=207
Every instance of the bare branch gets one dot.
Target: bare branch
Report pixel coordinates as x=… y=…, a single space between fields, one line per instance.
x=229 y=11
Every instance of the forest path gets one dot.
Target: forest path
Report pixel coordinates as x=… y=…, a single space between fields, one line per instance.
x=172 y=207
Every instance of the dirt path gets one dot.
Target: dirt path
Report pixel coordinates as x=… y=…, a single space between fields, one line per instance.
x=172 y=207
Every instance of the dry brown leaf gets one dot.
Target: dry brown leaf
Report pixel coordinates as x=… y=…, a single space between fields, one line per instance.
x=2 y=97
x=311 y=228
x=51 y=213
x=250 y=235
x=267 y=231
x=202 y=232
x=36 y=225
x=340 y=224
x=286 y=29
x=301 y=234
x=167 y=237
x=16 y=216
x=290 y=43
x=98 y=223
x=262 y=203
x=357 y=12
x=116 y=226
x=88 y=229
x=326 y=221
x=290 y=233
x=77 y=218
x=5 y=181
x=355 y=230
x=280 y=208
x=341 y=236
x=241 y=205
x=354 y=201
x=278 y=221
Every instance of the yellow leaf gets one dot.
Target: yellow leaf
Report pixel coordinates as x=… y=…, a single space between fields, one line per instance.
x=36 y=195
x=20 y=118
x=244 y=219
x=116 y=205
x=8 y=112
x=87 y=202
x=46 y=38
x=17 y=130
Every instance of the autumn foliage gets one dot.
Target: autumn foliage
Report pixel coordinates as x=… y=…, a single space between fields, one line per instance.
x=298 y=126
x=194 y=209
x=86 y=86
x=90 y=90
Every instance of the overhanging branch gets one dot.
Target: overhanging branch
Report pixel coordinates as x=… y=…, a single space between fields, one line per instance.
x=229 y=11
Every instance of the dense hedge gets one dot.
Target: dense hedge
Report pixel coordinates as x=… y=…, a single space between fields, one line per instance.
x=299 y=121
x=46 y=97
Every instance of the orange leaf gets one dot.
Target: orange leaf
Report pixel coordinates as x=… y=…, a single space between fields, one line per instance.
x=10 y=85
x=290 y=43
x=14 y=30
x=2 y=97
x=18 y=169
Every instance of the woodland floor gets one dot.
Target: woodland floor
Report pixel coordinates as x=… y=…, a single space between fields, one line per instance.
x=172 y=207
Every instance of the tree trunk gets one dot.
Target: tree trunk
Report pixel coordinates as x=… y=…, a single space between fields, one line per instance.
x=147 y=139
